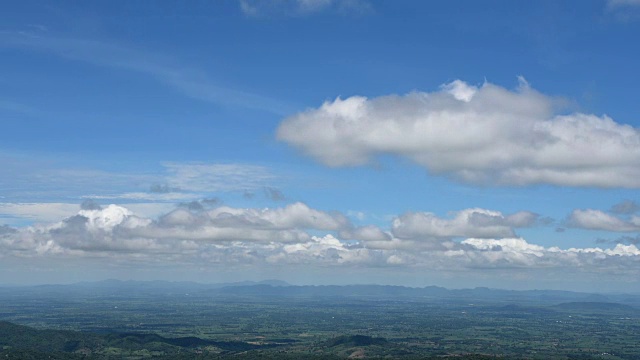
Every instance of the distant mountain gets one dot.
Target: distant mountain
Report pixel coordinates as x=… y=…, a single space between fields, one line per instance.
x=112 y=283
x=271 y=282
x=429 y=293
x=278 y=288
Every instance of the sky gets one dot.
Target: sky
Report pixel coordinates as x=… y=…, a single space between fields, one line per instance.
x=450 y=143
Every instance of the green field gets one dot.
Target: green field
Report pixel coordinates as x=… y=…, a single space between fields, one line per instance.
x=246 y=323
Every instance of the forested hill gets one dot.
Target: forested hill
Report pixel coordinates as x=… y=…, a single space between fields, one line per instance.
x=29 y=342
x=22 y=342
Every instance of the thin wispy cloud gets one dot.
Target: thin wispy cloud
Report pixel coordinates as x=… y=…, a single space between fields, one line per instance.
x=191 y=82
x=257 y=8
x=622 y=3
x=27 y=178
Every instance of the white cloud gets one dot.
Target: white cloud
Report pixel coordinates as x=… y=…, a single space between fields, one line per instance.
x=41 y=212
x=205 y=177
x=513 y=245
x=323 y=249
x=598 y=220
x=169 y=196
x=44 y=179
x=18 y=213
x=298 y=234
x=480 y=135
x=257 y=8
x=110 y=217
x=465 y=223
x=366 y=233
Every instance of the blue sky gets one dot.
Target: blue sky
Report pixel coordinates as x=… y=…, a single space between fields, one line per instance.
x=452 y=143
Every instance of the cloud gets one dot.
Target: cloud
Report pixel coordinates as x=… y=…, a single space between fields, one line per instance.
x=151 y=196
x=5 y=229
x=188 y=182
x=90 y=204
x=296 y=215
x=21 y=213
x=635 y=240
x=368 y=233
x=299 y=234
x=257 y=8
x=465 y=223
x=162 y=189
x=517 y=252
x=598 y=220
x=42 y=212
x=204 y=177
x=116 y=228
x=622 y=3
x=274 y=194
x=181 y=182
x=478 y=135
x=190 y=82
x=200 y=205
x=626 y=207
x=624 y=11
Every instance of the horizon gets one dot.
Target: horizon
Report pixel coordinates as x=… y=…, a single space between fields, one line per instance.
x=265 y=282
x=458 y=144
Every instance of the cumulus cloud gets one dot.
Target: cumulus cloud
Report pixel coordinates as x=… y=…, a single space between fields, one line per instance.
x=6 y=229
x=465 y=223
x=519 y=253
x=296 y=215
x=476 y=134
x=598 y=220
x=366 y=233
x=299 y=234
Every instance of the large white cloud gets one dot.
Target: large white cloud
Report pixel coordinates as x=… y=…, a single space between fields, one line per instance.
x=486 y=134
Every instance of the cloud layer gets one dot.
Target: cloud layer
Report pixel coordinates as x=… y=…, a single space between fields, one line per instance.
x=480 y=135
x=299 y=234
